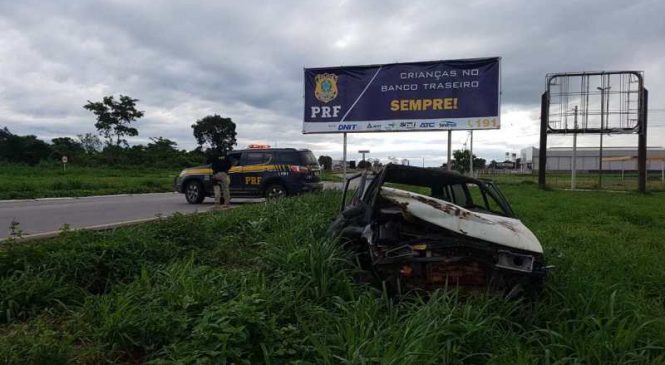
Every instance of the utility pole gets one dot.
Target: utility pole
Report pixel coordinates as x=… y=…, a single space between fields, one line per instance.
x=344 y=158
x=471 y=155
x=450 y=151
x=574 y=162
x=603 y=92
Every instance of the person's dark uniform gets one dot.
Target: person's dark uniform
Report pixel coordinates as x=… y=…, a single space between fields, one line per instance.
x=220 y=173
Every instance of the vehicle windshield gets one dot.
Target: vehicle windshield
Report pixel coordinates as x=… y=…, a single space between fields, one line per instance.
x=468 y=193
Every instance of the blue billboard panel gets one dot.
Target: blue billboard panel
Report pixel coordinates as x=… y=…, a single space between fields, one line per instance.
x=417 y=96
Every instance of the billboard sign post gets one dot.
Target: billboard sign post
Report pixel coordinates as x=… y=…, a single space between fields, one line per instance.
x=579 y=102
x=363 y=152
x=404 y=97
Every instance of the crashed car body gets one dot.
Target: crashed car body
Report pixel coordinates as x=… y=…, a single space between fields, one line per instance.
x=422 y=229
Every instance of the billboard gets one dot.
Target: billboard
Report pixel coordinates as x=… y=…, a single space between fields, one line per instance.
x=398 y=97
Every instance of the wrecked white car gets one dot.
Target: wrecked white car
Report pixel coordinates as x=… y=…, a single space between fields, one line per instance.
x=421 y=229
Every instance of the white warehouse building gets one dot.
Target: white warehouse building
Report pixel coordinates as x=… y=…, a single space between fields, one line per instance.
x=614 y=158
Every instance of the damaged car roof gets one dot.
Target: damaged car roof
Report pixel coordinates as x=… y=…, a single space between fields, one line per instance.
x=404 y=174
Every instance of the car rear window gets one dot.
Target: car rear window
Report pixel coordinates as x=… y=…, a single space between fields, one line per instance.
x=308 y=158
x=289 y=158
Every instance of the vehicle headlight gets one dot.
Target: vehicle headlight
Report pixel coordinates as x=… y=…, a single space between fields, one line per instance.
x=514 y=261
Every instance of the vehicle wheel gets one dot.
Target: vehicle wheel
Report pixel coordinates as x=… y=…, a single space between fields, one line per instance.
x=275 y=191
x=194 y=192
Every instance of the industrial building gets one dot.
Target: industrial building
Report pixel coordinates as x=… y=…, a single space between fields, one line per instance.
x=615 y=159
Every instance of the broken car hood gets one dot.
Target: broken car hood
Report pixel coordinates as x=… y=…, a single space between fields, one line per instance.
x=501 y=230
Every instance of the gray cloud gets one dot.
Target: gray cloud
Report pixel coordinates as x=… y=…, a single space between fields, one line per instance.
x=244 y=60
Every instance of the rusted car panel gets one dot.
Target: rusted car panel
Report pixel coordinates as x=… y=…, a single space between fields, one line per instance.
x=463 y=234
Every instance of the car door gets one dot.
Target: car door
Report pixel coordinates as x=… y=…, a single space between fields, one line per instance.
x=253 y=166
x=358 y=185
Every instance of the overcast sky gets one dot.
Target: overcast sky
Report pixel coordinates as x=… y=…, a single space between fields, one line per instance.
x=244 y=60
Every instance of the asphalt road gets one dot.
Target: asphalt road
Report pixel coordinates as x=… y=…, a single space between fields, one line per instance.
x=40 y=216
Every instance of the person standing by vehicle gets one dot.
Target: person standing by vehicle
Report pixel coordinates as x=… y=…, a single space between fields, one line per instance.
x=220 y=174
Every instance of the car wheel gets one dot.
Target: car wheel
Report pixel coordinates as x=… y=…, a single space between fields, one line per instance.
x=194 y=192
x=275 y=191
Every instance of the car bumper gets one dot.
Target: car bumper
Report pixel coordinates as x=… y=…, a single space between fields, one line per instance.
x=177 y=184
x=312 y=187
x=431 y=265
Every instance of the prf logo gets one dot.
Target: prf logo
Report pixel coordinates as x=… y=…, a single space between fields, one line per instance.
x=325 y=91
x=326 y=87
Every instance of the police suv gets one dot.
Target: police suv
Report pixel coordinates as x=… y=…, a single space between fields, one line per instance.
x=257 y=172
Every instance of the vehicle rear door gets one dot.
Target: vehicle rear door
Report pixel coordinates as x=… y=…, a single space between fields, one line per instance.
x=254 y=165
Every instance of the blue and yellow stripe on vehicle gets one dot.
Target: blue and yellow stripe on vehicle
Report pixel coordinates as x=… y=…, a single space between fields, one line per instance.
x=238 y=169
x=197 y=171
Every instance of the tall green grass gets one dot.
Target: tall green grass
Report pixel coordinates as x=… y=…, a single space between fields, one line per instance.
x=41 y=181
x=262 y=284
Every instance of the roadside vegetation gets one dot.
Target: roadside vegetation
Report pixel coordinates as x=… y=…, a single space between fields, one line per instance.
x=263 y=284
x=50 y=180
x=588 y=181
x=327 y=175
x=33 y=168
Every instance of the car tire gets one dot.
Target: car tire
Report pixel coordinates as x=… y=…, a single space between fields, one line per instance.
x=194 y=192
x=275 y=191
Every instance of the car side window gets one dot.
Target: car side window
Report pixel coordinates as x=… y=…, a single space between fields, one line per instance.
x=289 y=158
x=493 y=205
x=476 y=195
x=440 y=192
x=459 y=195
x=268 y=158
x=234 y=158
x=252 y=158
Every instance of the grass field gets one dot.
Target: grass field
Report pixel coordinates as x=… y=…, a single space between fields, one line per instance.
x=25 y=182
x=28 y=182
x=327 y=175
x=262 y=284
x=586 y=181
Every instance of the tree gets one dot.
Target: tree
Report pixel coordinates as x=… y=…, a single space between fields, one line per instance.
x=461 y=161
x=22 y=149
x=161 y=150
x=90 y=143
x=65 y=146
x=114 y=117
x=326 y=162
x=215 y=132
x=162 y=145
x=364 y=164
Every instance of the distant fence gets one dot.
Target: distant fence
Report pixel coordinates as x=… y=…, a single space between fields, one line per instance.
x=628 y=181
